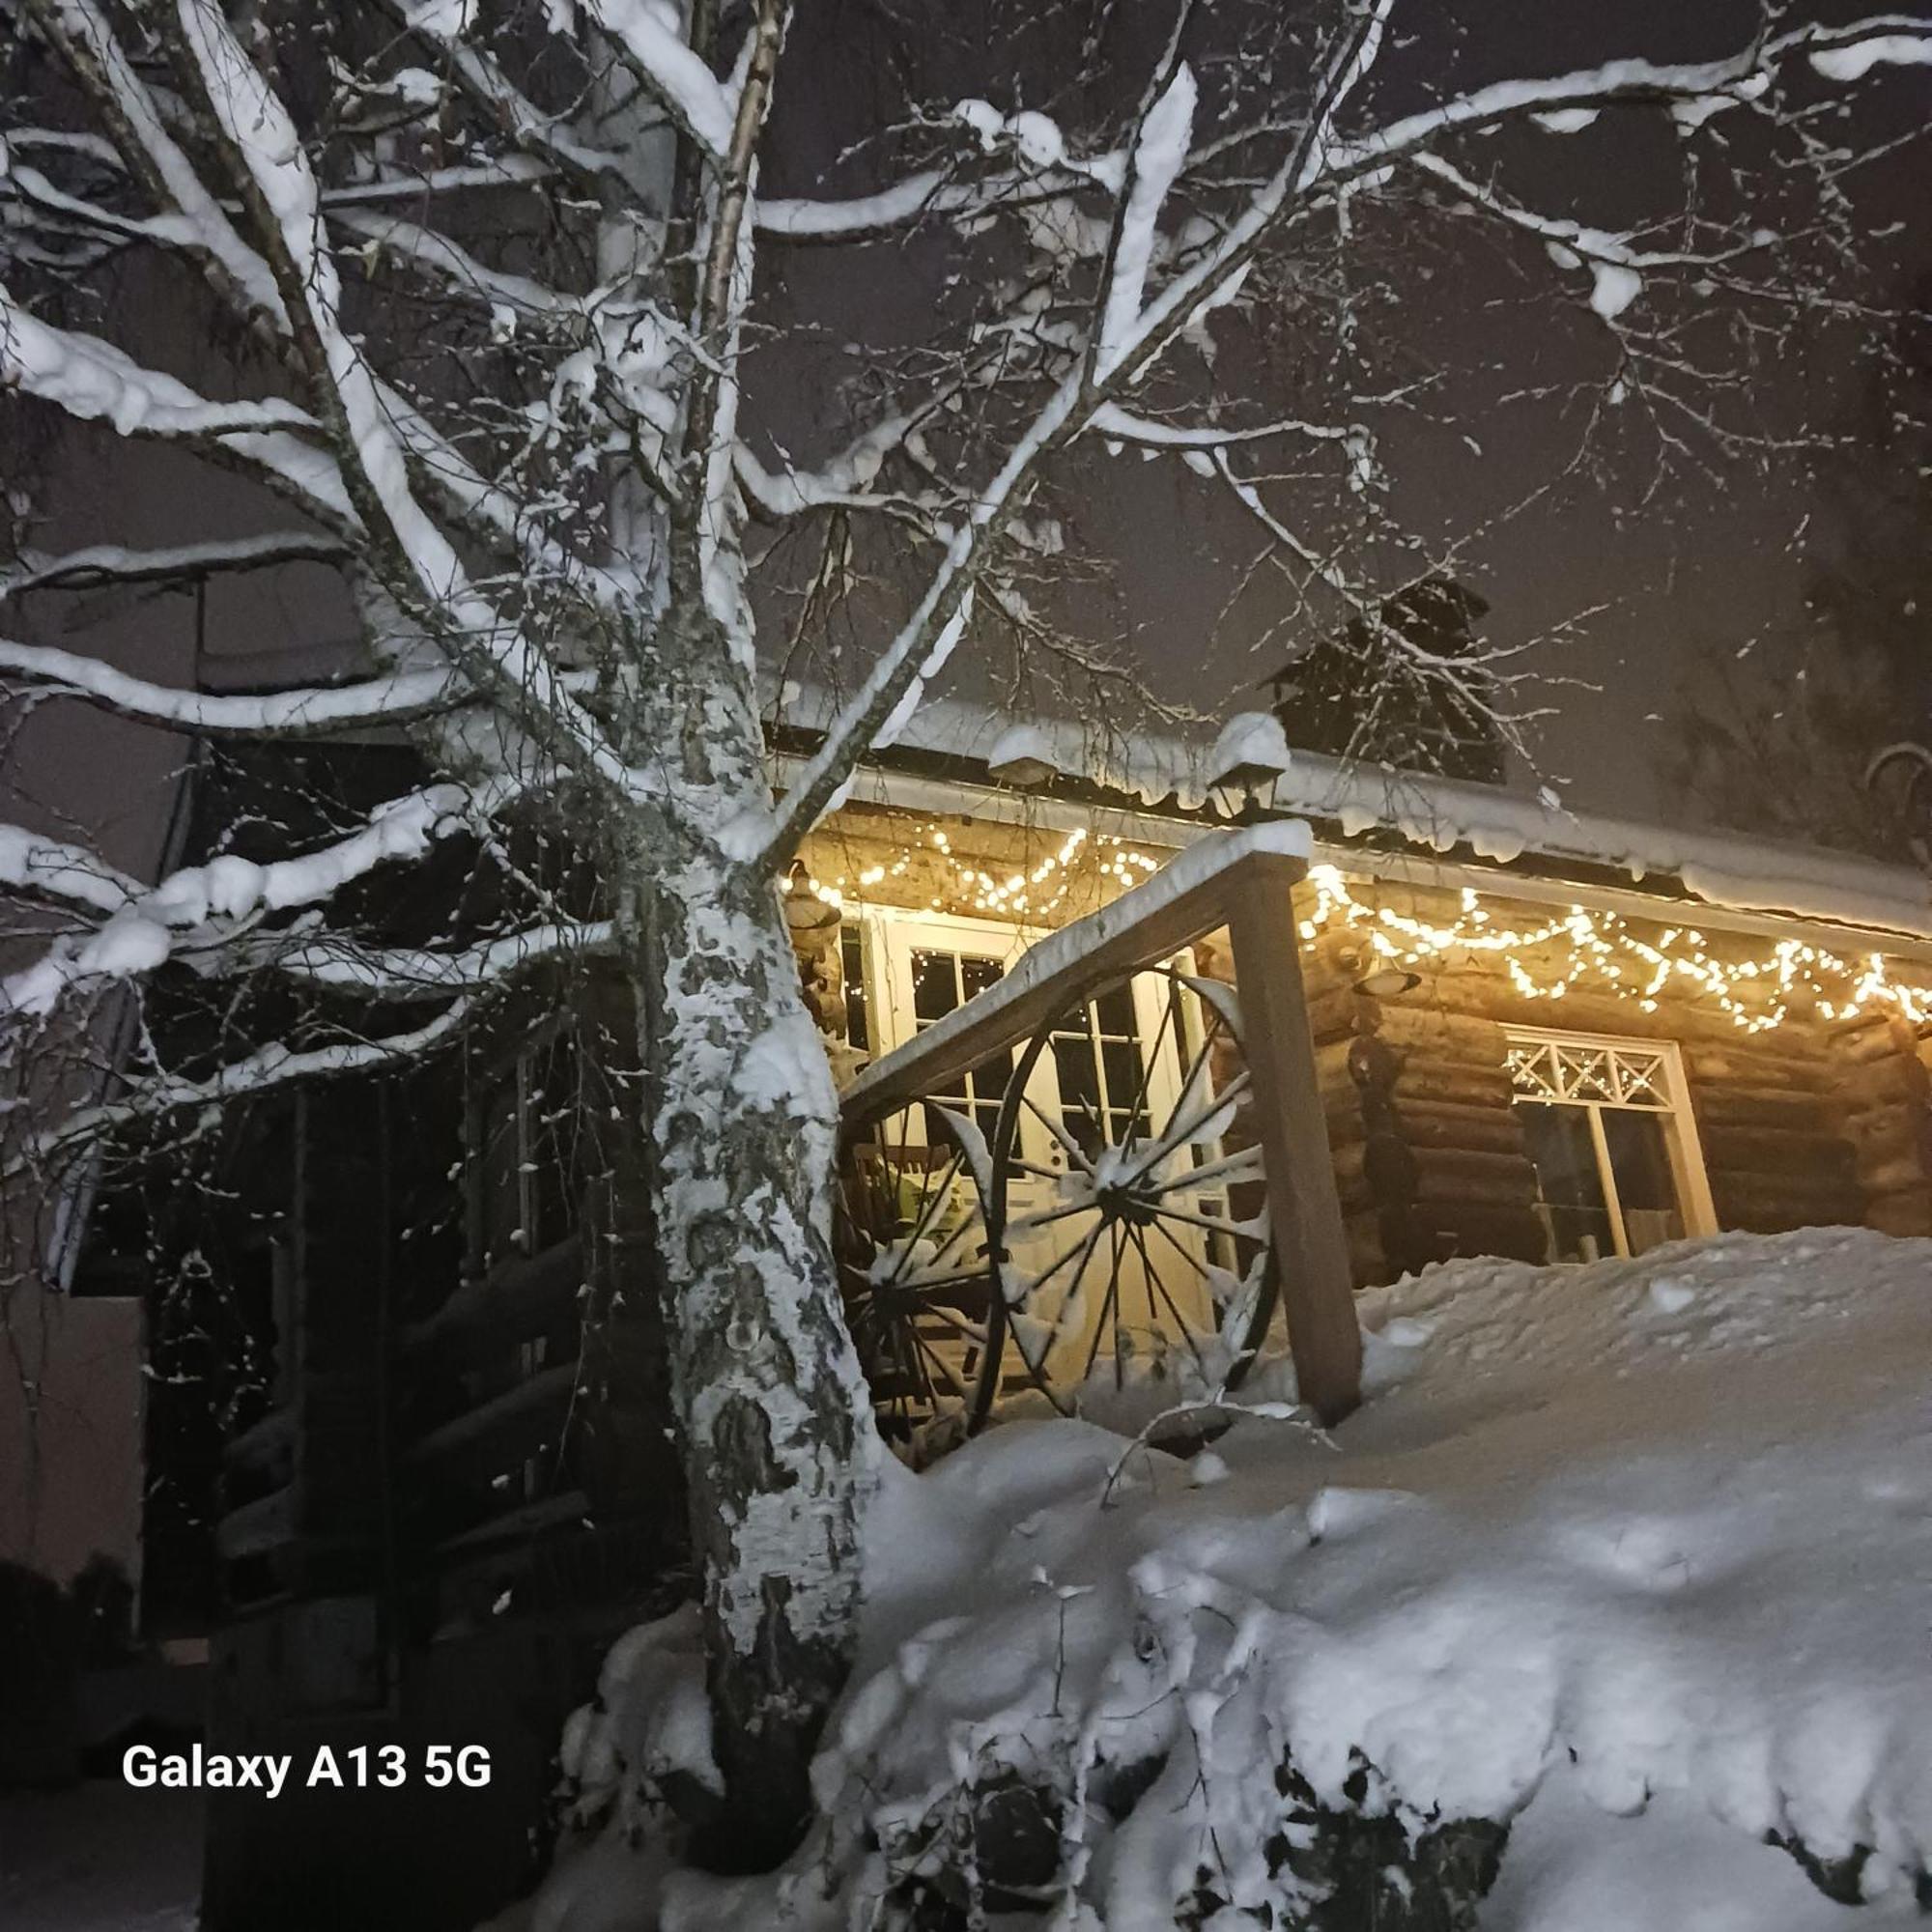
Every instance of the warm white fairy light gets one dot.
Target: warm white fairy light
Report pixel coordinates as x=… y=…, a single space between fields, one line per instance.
x=1606 y=950
x=1017 y=894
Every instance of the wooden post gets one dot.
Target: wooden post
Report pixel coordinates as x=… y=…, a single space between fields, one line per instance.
x=1304 y=1210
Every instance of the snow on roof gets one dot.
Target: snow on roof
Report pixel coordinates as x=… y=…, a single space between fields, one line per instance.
x=1725 y=870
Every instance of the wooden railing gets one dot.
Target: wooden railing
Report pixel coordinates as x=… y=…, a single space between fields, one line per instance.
x=1242 y=881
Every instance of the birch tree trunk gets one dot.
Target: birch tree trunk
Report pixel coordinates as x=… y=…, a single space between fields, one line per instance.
x=741 y=1115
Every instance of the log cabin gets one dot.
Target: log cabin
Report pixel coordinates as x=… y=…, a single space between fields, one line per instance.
x=407 y=1466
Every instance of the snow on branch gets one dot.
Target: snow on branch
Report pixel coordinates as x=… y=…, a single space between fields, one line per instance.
x=483 y=79
x=1856 y=61
x=95 y=382
x=421 y=973
x=650 y=44
x=932 y=191
x=1615 y=262
x=260 y=1072
x=1843 y=53
x=451 y=263
x=312 y=711
x=1159 y=154
x=81 y=33
x=99 y=565
x=201 y=908
x=893 y=687
x=1112 y=420
x=420 y=565
x=44 y=867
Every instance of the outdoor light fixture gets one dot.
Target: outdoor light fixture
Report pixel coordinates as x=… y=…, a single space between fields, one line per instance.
x=1389 y=983
x=1245 y=766
x=1022 y=756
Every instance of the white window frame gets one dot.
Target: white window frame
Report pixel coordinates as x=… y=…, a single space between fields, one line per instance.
x=1682 y=1144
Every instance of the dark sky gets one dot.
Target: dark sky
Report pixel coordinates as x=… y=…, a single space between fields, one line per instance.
x=1707 y=562
x=1688 y=557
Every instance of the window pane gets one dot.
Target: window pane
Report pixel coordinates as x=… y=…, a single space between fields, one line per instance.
x=989 y=1078
x=852 y=959
x=1121 y=1060
x=1114 y=1010
x=1646 y=1191
x=935 y=987
x=1569 y=1200
x=1079 y=1089
x=976 y=974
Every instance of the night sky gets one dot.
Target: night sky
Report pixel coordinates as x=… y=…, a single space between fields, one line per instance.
x=1688 y=565
x=1694 y=561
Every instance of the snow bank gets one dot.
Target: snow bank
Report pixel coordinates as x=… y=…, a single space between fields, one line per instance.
x=1662 y=1527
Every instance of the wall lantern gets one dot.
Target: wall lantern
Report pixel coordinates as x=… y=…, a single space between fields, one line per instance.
x=1389 y=983
x=1022 y=756
x=1244 y=768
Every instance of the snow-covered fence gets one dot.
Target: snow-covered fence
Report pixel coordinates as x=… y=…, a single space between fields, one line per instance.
x=1242 y=882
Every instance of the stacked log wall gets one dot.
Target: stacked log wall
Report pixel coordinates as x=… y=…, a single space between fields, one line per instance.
x=1798 y=1126
x=1447 y=1171
x=1881 y=1088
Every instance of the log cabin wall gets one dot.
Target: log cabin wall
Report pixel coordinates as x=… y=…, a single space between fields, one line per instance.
x=1804 y=1124
x=1882 y=1093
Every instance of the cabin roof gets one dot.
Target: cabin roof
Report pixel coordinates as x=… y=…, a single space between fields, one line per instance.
x=1373 y=819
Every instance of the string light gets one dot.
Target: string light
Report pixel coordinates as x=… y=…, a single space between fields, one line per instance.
x=1020 y=893
x=1604 y=950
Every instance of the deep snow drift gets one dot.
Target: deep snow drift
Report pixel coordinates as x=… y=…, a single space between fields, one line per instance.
x=1645 y=1537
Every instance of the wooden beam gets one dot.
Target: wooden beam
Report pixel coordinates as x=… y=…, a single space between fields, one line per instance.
x=1304 y=1210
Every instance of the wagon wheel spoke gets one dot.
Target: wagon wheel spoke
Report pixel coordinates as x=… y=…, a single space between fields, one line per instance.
x=1037 y=1170
x=1185 y=1253
x=1152 y=1171
x=1191 y=1218
x=1150 y=1058
x=1074 y=1151
x=1045 y=1217
x=909 y=1214
x=1243 y=1164
x=1183 y=1133
x=1109 y=1306
x=1157 y=1287
x=1039 y=1281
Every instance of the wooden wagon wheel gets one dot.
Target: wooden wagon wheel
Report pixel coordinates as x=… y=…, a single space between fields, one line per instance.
x=909 y=1232
x=1131 y=1232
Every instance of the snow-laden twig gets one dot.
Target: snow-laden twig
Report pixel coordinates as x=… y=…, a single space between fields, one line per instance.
x=53 y=868
x=263 y=1071
x=1157 y=157
x=312 y=711
x=424 y=572
x=198 y=908
x=651 y=46
x=1628 y=79
x=99 y=565
x=903 y=672
x=82 y=34
x=94 y=381
x=415 y=972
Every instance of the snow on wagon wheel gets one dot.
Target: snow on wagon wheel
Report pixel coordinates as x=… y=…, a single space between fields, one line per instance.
x=1125 y=1198
x=910 y=1235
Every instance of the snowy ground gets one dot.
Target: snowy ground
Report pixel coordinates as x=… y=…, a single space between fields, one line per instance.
x=1638 y=1555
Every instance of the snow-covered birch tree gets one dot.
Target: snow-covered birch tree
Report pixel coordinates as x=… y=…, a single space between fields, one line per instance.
x=496 y=285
